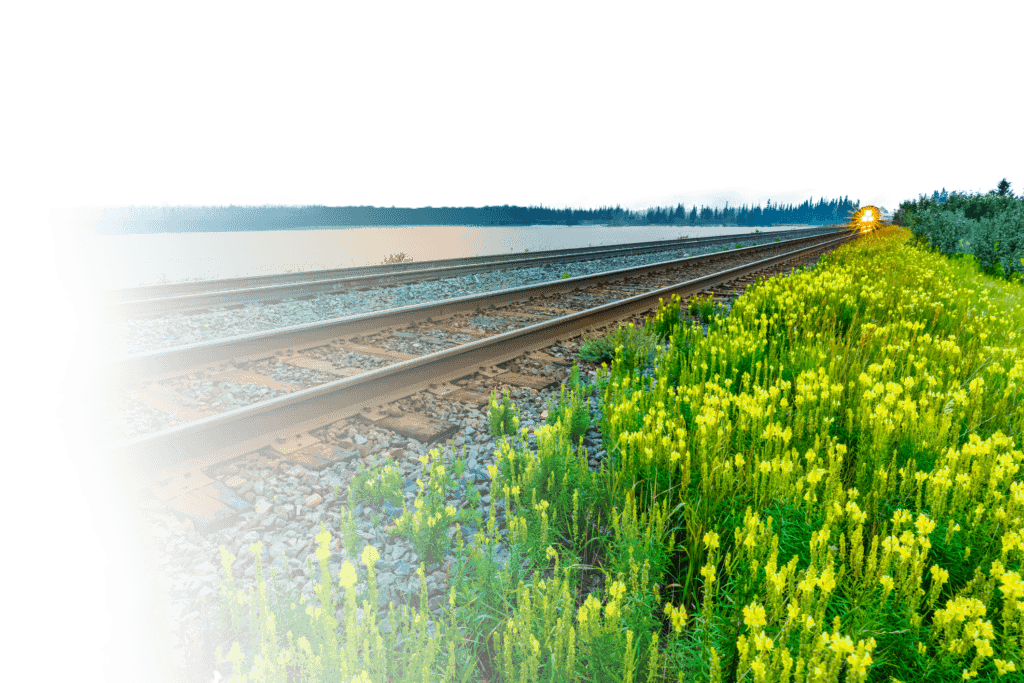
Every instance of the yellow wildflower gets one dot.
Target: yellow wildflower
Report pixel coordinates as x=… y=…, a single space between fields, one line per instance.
x=370 y=556
x=347 y=575
x=754 y=615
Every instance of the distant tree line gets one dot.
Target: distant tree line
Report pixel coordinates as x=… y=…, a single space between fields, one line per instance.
x=767 y=212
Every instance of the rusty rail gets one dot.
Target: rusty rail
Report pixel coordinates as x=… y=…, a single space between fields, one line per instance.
x=179 y=360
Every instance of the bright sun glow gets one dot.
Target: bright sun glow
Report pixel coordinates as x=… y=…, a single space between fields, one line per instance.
x=868 y=218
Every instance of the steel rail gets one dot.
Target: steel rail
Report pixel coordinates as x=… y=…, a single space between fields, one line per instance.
x=243 y=430
x=178 y=297
x=175 y=361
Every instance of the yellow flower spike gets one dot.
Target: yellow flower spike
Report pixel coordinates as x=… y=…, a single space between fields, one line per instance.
x=924 y=525
x=763 y=643
x=754 y=615
x=1003 y=667
x=370 y=556
x=322 y=552
x=347 y=575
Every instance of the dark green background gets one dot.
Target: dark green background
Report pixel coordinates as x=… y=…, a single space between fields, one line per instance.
x=411 y=104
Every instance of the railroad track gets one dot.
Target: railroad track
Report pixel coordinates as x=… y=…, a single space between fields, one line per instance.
x=274 y=470
x=162 y=299
x=423 y=348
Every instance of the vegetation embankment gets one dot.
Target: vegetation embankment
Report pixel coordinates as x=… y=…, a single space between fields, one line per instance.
x=987 y=228
x=823 y=486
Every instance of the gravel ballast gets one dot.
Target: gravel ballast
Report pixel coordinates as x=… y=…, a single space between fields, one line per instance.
x=188 y=564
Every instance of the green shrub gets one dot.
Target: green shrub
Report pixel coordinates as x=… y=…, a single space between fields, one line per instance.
x=639 y=345
x=428 y=523
x=988 y=227
x=705 y=308
x=375 y=486
x=597 y=350
x=572 y=407
x=504 y=416
x=667 y=317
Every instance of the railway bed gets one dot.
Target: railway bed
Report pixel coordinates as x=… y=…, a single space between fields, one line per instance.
x=173 y=387
x=281 y=490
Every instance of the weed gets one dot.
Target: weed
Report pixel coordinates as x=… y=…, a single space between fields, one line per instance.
x=375 y=486
x=597 y=350
x=427 y=524
x=400 y=257
x=572 y=408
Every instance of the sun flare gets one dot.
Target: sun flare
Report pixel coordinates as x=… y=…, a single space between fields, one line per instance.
x=868 y=218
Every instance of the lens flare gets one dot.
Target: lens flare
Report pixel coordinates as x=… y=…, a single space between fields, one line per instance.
x=868 y=218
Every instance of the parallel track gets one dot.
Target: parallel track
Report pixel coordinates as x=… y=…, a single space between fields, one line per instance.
x=192 y=296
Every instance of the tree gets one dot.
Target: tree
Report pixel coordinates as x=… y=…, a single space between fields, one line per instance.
x=1003 y=188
